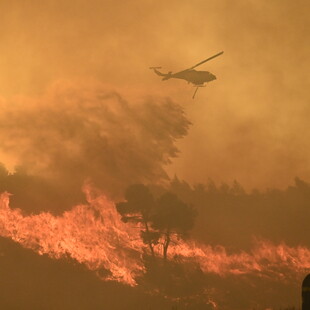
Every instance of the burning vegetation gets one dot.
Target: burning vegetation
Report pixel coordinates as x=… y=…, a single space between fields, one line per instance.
x=203 y=247
x=136 y=252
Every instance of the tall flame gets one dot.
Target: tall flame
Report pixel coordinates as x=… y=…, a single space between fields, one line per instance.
x=94 y=234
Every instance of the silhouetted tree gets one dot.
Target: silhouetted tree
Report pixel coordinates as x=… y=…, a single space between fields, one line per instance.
x=138 y=208
x=172 y=216
x=162 y=217
x=235 y=216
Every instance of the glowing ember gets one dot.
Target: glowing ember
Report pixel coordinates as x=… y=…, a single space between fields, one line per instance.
x=94 y=234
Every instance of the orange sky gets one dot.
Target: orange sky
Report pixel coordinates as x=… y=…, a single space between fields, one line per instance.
x=250 y=125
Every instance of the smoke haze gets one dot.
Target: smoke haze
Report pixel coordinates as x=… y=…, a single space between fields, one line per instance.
x=82 y=131
x=79 y=105
x=251 y=124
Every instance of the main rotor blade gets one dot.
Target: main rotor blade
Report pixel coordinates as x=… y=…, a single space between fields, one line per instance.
x=200 y=63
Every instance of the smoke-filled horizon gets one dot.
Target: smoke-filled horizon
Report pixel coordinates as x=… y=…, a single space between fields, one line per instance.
x=251 y=124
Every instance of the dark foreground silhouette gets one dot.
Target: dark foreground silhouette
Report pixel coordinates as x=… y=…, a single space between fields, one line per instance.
x=306 y=293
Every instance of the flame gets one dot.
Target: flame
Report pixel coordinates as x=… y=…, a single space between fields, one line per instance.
x=94 y=235
x=265 y=259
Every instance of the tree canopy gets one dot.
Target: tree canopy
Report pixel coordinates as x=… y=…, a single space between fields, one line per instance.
x=160 y=218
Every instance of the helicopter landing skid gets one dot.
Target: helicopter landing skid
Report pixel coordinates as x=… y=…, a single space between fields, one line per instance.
x=197 y=86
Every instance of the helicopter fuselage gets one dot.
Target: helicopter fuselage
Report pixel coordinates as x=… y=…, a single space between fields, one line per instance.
x=193 y=76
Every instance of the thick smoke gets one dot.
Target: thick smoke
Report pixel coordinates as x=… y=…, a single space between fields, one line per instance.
x=79 y=131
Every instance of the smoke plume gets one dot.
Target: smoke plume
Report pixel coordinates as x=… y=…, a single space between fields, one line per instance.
x=85 y=131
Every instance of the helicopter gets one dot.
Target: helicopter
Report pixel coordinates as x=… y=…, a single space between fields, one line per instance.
x=197 y=78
